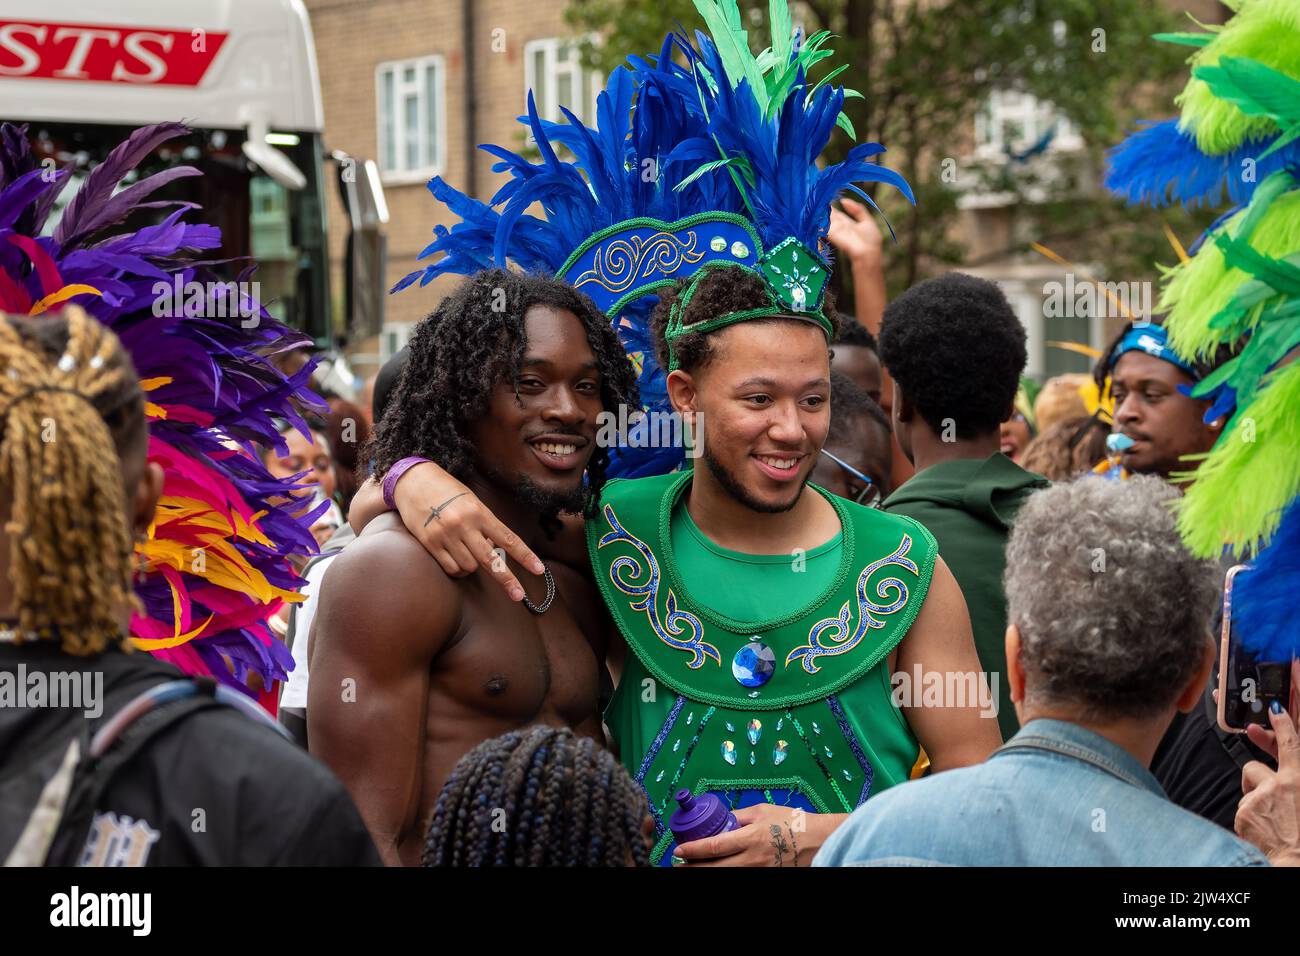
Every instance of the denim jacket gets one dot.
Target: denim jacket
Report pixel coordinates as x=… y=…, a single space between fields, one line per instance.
x=1056 y=794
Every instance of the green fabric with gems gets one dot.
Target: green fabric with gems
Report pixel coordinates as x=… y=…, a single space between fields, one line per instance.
x=783 y=734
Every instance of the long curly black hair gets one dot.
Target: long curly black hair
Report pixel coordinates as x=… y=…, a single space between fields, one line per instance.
x=538 y=797
x=474 y=340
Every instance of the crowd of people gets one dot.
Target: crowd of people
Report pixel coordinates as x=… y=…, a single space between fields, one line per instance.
x=872 y=598
x=462 y=668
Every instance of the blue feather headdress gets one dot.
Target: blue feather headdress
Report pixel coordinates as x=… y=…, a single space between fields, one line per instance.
x=704 y=162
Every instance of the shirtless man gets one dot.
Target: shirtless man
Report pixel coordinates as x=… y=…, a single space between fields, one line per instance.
x=411 y=668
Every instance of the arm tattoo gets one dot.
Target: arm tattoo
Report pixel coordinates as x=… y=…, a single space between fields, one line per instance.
x=794 y=843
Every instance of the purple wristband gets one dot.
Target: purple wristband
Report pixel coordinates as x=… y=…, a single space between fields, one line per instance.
x=394 y=474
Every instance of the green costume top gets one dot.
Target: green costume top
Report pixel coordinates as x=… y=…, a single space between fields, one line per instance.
x=793 y=709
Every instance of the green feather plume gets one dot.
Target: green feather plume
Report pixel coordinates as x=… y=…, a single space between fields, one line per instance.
x=1266 y=31
x=1257 y=451
x=1197 y=292
x=773 y=73
x=722 y=17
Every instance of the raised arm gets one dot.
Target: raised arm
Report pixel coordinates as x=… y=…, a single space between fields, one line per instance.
x=464 y=534
x=371 y=653
x=940 y=642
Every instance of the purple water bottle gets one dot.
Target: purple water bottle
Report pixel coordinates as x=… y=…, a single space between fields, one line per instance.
x=698 y=817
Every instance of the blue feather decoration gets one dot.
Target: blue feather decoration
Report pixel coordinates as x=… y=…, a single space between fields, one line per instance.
x=1159 y=165
x=1264 y=599
x=672 y=139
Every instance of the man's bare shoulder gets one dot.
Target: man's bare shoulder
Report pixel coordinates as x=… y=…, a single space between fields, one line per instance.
x=385 y=581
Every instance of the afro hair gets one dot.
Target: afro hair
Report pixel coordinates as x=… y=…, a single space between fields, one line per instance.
x=956 y=349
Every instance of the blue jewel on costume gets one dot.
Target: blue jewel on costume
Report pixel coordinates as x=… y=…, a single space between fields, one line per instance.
x=731 y=728
x=828 y=752
x=677 y=744
x=729 y=752
x=752 y=758
x=754 y=664
x=816 y=729
x=754 y=730
x=659 y=777
x=779 y=752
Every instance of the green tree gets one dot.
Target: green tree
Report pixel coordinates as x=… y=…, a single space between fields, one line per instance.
x=926 y=67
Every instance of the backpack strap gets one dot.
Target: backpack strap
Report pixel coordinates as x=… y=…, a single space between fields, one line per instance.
x=126 y=732
x=34 y=841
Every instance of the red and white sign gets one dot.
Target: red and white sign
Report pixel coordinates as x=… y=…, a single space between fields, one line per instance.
x=101 y=53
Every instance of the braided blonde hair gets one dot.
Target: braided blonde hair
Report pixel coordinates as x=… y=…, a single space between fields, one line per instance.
x=68 y=398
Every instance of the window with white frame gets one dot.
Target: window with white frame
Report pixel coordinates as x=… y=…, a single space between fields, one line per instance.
x=393 y=338
x=411 y=100
x=553 y=70
x=1012 y=124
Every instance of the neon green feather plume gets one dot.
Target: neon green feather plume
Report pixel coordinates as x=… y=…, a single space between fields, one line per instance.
x=1267 y=31
x=1197 y=292
x=773 y=73
x=1258 y=451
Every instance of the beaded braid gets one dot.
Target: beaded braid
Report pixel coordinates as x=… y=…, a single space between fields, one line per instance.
x=70 y=545
x=566 y=801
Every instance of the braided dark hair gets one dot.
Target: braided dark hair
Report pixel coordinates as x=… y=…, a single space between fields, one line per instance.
x=474 y=340
x=538 y=797
x=71 y=411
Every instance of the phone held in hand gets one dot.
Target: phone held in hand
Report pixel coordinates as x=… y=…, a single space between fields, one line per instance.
x=1247 y=686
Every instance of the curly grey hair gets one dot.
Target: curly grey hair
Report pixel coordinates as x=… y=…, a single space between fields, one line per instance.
x=1113 y=612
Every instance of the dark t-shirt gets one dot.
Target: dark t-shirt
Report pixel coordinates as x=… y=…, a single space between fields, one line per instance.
x=1199 y=765
x=215 y=788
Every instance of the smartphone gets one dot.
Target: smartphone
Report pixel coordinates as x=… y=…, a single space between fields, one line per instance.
x=1247 y=686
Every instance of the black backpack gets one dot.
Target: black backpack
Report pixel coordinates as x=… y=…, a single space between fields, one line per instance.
x=48 y=808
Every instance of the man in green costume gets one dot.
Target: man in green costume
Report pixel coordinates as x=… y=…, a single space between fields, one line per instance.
x=764 y=620
x=754 y=625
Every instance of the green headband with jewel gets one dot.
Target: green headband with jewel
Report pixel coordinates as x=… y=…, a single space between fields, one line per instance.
x=796 y=280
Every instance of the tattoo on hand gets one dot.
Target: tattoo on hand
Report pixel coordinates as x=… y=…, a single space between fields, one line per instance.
x=778 y=845
x=794 y=843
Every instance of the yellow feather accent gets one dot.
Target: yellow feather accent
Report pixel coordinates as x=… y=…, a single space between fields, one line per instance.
x=67 y=292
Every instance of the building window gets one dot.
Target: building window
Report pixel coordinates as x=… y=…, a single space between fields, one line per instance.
x=393 y=338
x=553 y=70
x=1012 y=124
x=412 y=118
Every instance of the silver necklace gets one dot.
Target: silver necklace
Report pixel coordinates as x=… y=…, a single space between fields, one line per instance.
x=550 y=595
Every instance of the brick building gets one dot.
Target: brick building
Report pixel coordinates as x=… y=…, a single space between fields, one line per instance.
x=393 y=79
x=394 y=82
